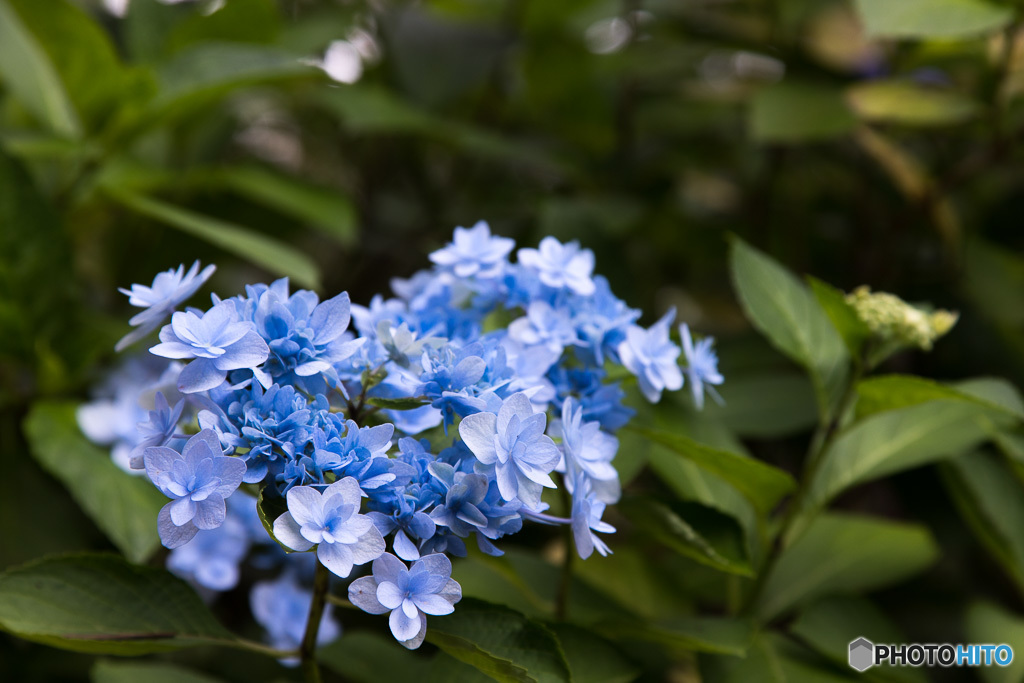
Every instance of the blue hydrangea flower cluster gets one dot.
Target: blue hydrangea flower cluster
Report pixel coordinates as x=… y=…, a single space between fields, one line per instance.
x=398 y=432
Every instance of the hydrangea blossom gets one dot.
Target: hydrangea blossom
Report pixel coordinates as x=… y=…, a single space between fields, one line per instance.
x=330 y=521
x=199 y=479
x=652 y=357
x=217 y=340
x=409 y=594
x=701 y=366
x=341 y=422
x=169 y=289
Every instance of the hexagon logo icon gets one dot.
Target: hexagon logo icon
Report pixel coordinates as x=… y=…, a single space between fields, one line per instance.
x=862 y=654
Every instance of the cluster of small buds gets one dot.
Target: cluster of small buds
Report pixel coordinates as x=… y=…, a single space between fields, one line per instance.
x=892 y=320
x=414 y=429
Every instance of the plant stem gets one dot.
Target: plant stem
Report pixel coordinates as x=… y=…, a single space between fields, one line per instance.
x=307 y=651
x=565 y=583
x=820 y=443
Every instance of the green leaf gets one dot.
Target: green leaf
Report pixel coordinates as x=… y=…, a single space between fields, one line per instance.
x=762 y=484
x=909 y=103
x=325 y=209
x=850 y=327
x=591 y=658
x=772 y=659
x=30 y=76
x=717 y=635
x=988 y=623
x=111 y=671
x=898 y=440
x=991 y=500
x=269 y=509
x=931 y=18
x=241 y=21
x=85 y=59
x=890 y=392
x=786 y=312
x=500 y=642
x=367 y=657
x=102 y=604
x=830 y=624
x=793 y=112
x=125 y=507
x=273 y=255
x=667 y=527
x=765 y=404
x=411 y=403
x=842 y=553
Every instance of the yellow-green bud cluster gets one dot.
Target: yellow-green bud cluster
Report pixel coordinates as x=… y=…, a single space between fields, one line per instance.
x=892 y=319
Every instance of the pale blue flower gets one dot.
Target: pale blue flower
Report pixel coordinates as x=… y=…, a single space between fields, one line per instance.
x=473 y=252
x=169 y=289
x=330 y=521
x=198 y=479
x=650 y=356
x=544 y=325
x=409 y=594
x=218 y=341
x=588 y=451
x=159 y=430
x=701 y=366
x=282 y=608
x=211 y=559
x=561 y=265
x=586 y=519
x=513 y=445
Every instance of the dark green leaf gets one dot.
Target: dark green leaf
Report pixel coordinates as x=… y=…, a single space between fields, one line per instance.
x=100 y=603
x=125 y=507
x=762 y=484
x=29 y=74
x=793 y=112
x=785 y=310
x=500 y=642
x=931 y=18
x=411 y=403
x=833 y=301
x=111 y=671
x=367 y=657
x=669 y=528
x=992 y=501
x=890 y=392
x=766 y=404
x=842 y=553
x=718 y=635
x=591 y=658
x=269 y=508
x=277 y=257
x=327 y=210
x=773 y=659
x=988 y=623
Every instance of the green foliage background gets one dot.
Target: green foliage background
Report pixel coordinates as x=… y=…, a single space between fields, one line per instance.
x=865 y=142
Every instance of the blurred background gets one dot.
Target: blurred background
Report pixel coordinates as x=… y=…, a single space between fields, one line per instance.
x=339 y=142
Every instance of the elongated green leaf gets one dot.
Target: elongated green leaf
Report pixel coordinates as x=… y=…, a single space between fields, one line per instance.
x=719 y=635
x=500 y=642
x=785 y=310
x=277 y=257
x=988 y=623
x=110 y=671
x=765 y=404
x=909 y=103
x=328 y=211
x=793 y=112
x=889 y=392
x=367 y=657
x=897 y=440
x=411 y=403
x=592 y=658
x=833 y=301
x=931 y=18
x=100 y=603
x=992 y=501
x=829 y=625
x=847 y=554
x=125 y=507
x=772 y=659
x=762 y=484
x=28 y=73
x=669 y=528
